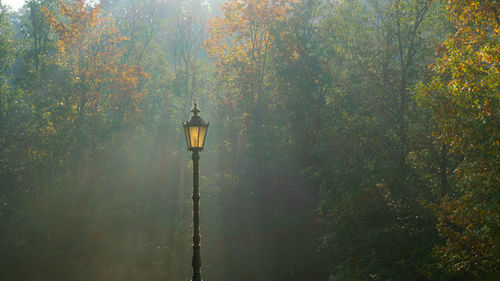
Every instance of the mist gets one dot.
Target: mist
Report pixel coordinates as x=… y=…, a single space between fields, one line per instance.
x=348 y=140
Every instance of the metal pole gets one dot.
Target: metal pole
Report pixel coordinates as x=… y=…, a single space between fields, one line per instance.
x=196 y=219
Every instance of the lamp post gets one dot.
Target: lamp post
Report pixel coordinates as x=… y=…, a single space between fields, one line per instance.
x=196 y=131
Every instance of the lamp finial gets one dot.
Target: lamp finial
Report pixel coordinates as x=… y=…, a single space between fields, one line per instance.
x=195 y=109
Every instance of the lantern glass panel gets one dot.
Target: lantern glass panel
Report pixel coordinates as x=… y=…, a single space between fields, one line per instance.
x=186 y=132
x=194 y=136
x=203 y=133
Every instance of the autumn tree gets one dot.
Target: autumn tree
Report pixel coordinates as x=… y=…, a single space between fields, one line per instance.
x=464 y=97
x=89 y=48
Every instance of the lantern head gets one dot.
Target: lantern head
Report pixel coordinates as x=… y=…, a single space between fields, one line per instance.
x=195 y=130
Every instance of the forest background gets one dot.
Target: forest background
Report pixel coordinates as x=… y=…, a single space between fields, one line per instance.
x=348 y=140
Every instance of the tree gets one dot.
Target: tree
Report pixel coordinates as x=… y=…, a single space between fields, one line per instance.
x=6 y=44
x=464 y=97
x=260 y=172
x=369 y=137
x=37 y=29
x=89 y=48
x=9 y=133
x=241 y=41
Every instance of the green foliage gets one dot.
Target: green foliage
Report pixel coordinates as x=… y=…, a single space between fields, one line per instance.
x=6 y=42
x=370 y=172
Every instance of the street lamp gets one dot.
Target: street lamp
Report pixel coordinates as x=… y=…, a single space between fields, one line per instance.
x=196 y=131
